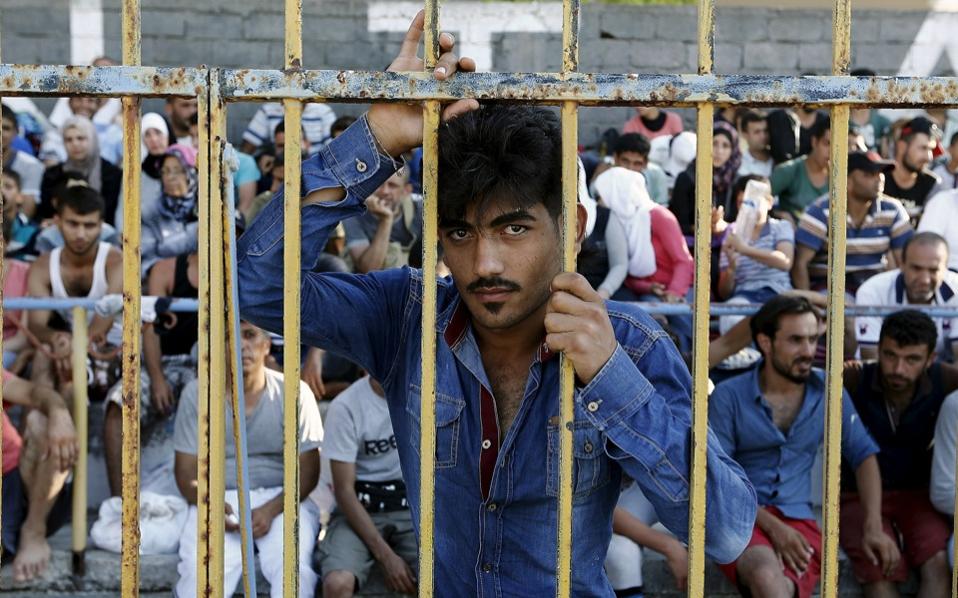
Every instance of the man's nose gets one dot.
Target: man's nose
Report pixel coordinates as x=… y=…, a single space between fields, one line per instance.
x=488 y=261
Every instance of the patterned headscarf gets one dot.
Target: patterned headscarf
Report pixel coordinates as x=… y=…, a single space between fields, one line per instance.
x=724 y=176
x=182 y=209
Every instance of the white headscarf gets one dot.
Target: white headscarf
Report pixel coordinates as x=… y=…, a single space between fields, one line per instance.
x=624 y=192
x=152 y=120
x=586 y=200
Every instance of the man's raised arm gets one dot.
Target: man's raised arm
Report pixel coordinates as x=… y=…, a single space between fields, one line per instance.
x=345 y=313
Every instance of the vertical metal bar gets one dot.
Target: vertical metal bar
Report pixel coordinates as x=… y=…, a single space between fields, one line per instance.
x=570 y=191
x=291 y=307
x=130 y=464
x=700 y=336
x=427 y=408
x=217 y=409
x=203 y=559
x=80 y=343
x=838 y=174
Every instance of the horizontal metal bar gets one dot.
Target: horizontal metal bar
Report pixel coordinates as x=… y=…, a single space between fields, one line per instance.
x=747 y=309
x=58 y=80
x=589 y=88
x=34 y=303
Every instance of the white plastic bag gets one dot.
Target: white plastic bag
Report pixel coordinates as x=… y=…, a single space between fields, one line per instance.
x=162 y=518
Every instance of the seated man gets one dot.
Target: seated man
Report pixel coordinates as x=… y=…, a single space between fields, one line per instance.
x=372 y=522
x=898 y=400
x=943 y=463
x=923 y=279
x=263 y=390
x=35 y=470
x=631 y=526
x=168 y=366
x=771 y=420
x=19 y=232
x=83 y=267
x=381 y=238
x=877 y=225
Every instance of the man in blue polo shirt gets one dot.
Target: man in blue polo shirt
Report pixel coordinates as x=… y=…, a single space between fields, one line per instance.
x=503 y=315
x=771 y=420
x=876 y=224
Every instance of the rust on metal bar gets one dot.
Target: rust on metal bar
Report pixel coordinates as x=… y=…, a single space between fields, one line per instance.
x=80 y=407
x=838 y=209
x=203 y=514
x=590 y=88
x=570 y=191
x=55 y=80
x=700 y=315
x=217 y=410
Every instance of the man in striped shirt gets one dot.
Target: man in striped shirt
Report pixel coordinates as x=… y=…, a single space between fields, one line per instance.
x=876 y=224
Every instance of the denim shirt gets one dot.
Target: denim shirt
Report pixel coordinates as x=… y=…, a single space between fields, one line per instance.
x=632 y=419
x=778 y=463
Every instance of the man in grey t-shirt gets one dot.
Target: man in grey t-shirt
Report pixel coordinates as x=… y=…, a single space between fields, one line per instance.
x=381 y=238
x=372 y=522
x=263 y=389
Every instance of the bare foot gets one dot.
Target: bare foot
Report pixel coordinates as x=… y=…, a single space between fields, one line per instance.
x=33 y=555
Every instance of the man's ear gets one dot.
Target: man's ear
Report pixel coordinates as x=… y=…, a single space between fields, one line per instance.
x=582 y=218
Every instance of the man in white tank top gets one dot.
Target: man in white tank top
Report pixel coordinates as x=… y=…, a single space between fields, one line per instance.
x=83 y=267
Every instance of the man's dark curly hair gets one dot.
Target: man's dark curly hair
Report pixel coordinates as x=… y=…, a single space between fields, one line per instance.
x=500 y=152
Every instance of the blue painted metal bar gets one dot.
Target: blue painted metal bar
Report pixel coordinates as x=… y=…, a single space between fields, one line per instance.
x=743 y=309
x=31 y=303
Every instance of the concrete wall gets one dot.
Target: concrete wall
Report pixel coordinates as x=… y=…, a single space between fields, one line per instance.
x=615 y=38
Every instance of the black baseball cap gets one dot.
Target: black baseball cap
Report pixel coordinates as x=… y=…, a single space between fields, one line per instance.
x=919 y=124
x=867 y=161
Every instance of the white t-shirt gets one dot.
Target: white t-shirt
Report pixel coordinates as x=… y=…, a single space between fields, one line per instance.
x=750 y=165
x=941 y=216
x=358 y=430
x=264 y=431
x=888 y=288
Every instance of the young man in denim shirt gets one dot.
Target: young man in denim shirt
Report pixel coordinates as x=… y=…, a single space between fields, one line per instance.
x=505 y=313
x=772 y=420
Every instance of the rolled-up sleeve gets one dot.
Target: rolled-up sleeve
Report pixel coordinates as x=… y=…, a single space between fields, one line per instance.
x=358 y=316
x=644 y=409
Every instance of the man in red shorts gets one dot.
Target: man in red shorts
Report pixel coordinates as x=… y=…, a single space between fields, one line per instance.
x=898 y=398
x=771 y=420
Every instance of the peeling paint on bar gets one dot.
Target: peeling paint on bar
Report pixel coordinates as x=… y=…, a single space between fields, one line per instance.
x=54 y=80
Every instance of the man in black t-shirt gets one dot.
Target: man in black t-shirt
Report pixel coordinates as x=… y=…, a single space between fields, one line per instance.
x=910 y=180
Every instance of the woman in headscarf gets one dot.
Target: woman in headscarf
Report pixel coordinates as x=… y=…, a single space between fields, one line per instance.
x=660 y=267
x=83 y=158
x=170 y=224
x=726 y=159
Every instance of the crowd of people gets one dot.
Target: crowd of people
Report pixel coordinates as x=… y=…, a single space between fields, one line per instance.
x=63 y=211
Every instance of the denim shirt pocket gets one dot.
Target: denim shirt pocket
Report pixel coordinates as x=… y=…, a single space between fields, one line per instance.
x=591 y=465
x=448 y=418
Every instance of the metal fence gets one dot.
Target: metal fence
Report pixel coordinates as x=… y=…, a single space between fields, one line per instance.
x=292 y=85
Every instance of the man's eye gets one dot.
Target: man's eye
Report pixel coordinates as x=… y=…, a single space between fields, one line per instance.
x=458 y=234
x=515 y=229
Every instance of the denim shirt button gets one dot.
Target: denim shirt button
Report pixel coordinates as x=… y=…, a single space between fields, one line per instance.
x=360 y=165
x=492 y=506
x=487 y=568
x=587 y=447
x=592 y=406
x=486 y=444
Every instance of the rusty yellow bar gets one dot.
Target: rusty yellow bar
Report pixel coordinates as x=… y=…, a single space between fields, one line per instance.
x=838 y=175
x=130 y=463
x=570 y=192
x=427 y=408
x=427 y=437
x=217 y=409
x=80 y=343
x=203 y=552
x=291 y=354
x=700 y=337
x=291 y=307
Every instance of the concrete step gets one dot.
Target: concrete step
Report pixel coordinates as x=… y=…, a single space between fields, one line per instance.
x=158 y=575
